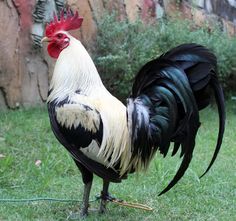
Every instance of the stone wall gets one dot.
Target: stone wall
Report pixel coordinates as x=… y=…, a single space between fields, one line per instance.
x=25 y=67
x=23 y=70
x=224 y=8
x=223 y=11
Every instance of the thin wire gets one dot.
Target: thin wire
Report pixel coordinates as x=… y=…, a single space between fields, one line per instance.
x=41 y=199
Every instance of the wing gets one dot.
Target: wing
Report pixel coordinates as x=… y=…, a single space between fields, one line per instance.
x=79 y=123
x=79 y=127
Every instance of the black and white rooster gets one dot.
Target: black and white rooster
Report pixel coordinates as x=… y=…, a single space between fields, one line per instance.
x=111 y=140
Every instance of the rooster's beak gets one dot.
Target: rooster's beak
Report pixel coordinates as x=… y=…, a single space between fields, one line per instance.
x=45 y=39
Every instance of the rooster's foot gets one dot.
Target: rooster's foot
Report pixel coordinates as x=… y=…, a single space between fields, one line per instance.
x=105 y=198
x=83 y=212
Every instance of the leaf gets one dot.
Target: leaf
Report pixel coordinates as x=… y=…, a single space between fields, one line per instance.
x=2 y=156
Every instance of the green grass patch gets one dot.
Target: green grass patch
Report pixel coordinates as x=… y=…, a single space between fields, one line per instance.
x=25 y=137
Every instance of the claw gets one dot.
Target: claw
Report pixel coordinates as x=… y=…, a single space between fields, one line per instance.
x=84 y=213
x=105 y=198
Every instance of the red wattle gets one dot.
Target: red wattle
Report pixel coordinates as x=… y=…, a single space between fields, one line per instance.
x=54 y=50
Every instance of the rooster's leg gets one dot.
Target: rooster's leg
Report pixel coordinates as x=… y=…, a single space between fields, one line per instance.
x=85 y=204
x=104 y=196
x=87 y=177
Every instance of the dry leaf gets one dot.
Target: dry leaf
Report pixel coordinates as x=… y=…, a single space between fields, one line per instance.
x=38 y=163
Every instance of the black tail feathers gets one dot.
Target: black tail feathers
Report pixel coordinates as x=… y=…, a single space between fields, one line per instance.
x=167 y=95
x=200 y=66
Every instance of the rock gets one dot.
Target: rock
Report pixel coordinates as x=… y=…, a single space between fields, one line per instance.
x=133 y=9
x=37 y=32
x=225 y=9
x=3 y=105
x=159 y=11
x=208 y=6
x=199 y=3
x=88 y=29
x=229 y=27
x=232 y=3
x=39 y=11
x=23 y=70
x=9 y=54
x=35 y=82
x=199 y=17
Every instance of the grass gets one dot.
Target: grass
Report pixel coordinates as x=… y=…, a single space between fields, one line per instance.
x=25 y=136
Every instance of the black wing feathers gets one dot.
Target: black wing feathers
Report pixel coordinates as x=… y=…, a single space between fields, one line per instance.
x=167 y=95
x=79 y=138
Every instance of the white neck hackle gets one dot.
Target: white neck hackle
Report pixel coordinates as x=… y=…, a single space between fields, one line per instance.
x=74 y=71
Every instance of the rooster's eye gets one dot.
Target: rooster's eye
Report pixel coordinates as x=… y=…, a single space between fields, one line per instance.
x=59 y=35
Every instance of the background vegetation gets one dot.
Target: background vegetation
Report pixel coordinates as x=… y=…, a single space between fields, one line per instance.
x=123 y=47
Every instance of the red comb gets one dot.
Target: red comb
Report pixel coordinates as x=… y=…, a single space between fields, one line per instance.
x=70 y=22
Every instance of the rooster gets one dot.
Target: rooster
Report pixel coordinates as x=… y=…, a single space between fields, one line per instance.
x=111 y=140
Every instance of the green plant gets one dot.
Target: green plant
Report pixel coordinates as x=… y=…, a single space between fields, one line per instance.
x=123 y=47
